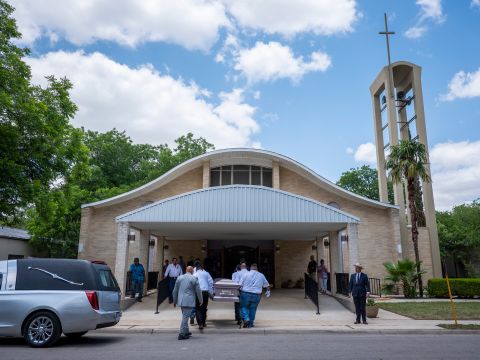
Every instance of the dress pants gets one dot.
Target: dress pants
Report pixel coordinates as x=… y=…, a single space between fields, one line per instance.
x=201 y=310
x=171 y=286
x=238 y=317
x=360 y=310
x=186 y=311
x=248 y=306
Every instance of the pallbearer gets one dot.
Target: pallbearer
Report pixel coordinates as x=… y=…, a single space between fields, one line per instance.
x=206 y=286
x=252 y=283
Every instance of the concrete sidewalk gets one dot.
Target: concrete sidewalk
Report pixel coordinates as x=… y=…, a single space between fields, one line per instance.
x=286 y=311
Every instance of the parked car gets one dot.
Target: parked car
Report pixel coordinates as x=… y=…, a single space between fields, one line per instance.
x=42 y=298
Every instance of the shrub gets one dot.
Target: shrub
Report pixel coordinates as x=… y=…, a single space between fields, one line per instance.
x=371 y=302
x=460 y=287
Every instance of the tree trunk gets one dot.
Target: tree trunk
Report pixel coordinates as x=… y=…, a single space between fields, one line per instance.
x=413 y=220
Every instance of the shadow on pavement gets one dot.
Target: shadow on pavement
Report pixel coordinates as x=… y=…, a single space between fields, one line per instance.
x=90 y=341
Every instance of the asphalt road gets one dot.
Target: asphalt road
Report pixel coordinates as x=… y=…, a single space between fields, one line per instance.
x=331 y=346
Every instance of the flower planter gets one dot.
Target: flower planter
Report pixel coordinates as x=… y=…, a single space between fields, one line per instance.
x=372 y=311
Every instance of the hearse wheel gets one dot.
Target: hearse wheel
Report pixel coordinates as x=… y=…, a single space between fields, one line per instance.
x=76 y=334
x=42 y=329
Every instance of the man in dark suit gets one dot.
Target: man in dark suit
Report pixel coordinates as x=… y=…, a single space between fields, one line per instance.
x=359 y=288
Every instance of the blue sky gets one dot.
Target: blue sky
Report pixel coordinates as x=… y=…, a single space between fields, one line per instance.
x=288 y=76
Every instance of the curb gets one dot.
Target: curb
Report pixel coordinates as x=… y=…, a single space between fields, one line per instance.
x=273 y=331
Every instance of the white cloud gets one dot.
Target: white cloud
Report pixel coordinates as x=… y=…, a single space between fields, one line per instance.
x=194 y=24
x=151 y=107
x=349 y=150
x=455 y=173
x=415 y=32
x=430 y=11
x=366 y=153
x=463 y=85
x=475 y=3
x=288 y=18
x=272 y=61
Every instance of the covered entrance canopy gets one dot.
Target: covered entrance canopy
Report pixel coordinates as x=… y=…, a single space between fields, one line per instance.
x=231 y=213
x=238 y=212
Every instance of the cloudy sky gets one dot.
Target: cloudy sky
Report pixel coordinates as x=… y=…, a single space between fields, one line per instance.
x=287 y=76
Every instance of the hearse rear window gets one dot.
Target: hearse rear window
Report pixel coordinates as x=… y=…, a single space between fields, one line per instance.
x=107 y=280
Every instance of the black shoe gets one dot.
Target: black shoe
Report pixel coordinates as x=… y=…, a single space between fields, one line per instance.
x=183 y=337
x=239 y=322
x=191 y=321
x=139 y=300
x=365 y=322
x=189 y=334
x=246 y=324
x=357 y=322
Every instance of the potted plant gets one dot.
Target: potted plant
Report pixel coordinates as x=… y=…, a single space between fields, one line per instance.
x=372 y=308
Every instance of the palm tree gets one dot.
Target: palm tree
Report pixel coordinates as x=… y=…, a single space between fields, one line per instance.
x=408 y=160
x=405 y=272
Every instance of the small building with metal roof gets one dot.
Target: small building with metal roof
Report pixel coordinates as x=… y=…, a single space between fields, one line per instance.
x=14 y=243
x=244 y=203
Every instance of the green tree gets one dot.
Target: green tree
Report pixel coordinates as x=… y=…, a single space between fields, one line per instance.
x=363 y=181
x=407 y=161
x=38 y=145
x=459 y=234
x=114 y=165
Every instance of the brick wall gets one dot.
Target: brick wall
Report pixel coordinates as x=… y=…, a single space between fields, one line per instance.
x=377 y=235
x=292 y=260
x=98 y=229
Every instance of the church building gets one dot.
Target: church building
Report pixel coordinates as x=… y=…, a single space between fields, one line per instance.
x=259 y=205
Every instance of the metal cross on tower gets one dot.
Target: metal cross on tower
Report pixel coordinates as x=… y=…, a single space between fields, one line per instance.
x=387 y=33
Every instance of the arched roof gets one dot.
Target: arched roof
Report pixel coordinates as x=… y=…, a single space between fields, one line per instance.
x=235 y=155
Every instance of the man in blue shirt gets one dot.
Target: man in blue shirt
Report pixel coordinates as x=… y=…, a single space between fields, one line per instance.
x=138 y=278
x=252 y=284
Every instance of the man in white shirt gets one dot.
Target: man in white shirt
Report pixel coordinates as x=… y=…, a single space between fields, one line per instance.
x=237 y=276
x=252 y=284
x=173 y=271
x=206 y=285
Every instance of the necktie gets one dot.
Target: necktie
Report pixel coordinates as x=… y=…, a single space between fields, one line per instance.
x=358 y=277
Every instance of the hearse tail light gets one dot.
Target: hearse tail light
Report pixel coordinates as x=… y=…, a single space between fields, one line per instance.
x=93 y=299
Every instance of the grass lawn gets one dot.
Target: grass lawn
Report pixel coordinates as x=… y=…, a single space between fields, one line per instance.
x=460 y=326
x=434 y=310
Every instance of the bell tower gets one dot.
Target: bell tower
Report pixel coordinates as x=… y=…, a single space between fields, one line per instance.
x=398 y=114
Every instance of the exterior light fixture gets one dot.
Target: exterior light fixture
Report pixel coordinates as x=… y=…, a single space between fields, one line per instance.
x=277 y=248
x=344 y=238
x=326 y=243
x=314 y=247
x=203 y=249
x=131 y=237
